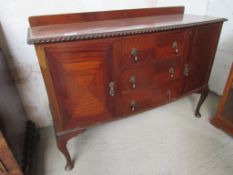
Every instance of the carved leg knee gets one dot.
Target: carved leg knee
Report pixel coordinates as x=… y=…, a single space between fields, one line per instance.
x=204 y=94
x=62 y=146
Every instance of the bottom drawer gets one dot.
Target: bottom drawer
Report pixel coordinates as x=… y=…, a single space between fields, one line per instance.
x=167 y=92
x=136 y=100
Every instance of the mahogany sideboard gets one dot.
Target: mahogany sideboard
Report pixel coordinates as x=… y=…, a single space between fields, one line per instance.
x=101 y=66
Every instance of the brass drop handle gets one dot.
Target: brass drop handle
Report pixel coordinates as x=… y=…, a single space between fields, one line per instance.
x=133 y=82
x=175 y=46
x=134 y=52
x=186 y=70
x=133 y=105
x=169 y=94
x=112 y=89
x=171 y=71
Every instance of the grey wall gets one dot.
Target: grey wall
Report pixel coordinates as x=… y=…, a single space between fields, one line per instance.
x=12 y=114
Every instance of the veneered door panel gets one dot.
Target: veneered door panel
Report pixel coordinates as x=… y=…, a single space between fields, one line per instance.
x=81 y=72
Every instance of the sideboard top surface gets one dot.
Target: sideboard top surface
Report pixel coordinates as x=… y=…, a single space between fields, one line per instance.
x=115 y=27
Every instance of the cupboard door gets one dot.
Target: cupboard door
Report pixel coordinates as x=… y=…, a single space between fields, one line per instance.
x=203 y=48
x=82 y=73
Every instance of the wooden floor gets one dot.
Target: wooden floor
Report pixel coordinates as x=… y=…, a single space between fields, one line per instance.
x=168 y=140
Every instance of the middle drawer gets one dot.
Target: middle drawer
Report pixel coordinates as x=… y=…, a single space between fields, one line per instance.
x=152 y=75
x=133 y=79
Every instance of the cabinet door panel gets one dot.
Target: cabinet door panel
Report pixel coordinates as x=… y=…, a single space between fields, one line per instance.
x=81 y=72
x=202 y=54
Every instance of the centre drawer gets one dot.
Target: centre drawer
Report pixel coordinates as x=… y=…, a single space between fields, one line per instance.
x=133 y=79
x=167 y=71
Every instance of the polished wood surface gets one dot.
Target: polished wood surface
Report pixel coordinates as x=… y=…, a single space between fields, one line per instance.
x=224 y=115
x=102 y=15
x=8 y=164
x=95 y=80
x=115 y=27
x=204 y=42
x=84 y=71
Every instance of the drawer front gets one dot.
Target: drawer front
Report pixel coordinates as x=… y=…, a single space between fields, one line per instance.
x=153 y=47
x=137 y=50
x=170 y=45
x=167 y=71
x=167 y=92
x=136 y=101
x=133 y=79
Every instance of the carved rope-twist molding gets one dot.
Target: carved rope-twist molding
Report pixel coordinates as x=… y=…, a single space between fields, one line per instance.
x=117 y=34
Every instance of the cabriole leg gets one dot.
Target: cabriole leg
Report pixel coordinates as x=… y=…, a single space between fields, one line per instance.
x=204 y=94
x=62 y=146
x=62 y=140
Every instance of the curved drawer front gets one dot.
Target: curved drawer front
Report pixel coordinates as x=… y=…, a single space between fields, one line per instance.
x=137 y=50
x=167 y=92
x=136 y=101
x=133 y=79
x=167 y=71
x=170 y=45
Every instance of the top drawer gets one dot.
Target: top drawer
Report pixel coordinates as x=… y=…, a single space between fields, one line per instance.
x=138 y=49
x=170 y=45
x=153 y=47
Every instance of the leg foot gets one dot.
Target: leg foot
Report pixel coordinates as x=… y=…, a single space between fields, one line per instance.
x=198 y=114
x=69 y=166
x=204 y=94
x=62 y=146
